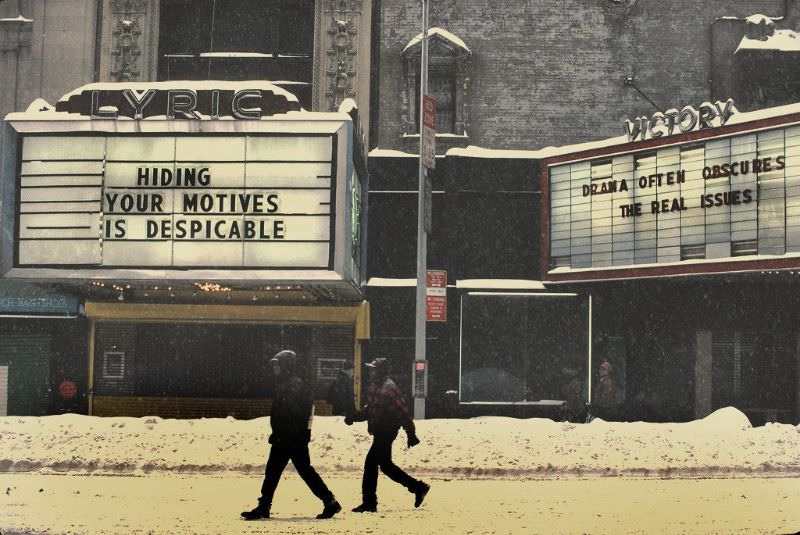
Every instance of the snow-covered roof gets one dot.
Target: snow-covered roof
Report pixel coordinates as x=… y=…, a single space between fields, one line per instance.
x=780 y=41
x=441 y=33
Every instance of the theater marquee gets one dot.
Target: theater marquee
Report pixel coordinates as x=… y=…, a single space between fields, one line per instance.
x=263 y=197
x=722 y=197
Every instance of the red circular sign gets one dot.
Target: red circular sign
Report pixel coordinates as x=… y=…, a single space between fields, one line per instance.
x=68 y=389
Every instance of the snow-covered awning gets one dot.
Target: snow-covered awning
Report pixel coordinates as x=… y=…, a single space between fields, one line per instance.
x=379 y=282
x=499 y=284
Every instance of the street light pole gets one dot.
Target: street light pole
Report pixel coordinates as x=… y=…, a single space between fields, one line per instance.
x=422 y=233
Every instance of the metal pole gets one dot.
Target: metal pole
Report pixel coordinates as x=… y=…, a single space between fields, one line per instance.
x=422 y=235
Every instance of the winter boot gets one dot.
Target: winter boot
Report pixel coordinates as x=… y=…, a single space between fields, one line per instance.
x=366 y=508
x=331 y=508
x=420 y=493
x=260 y=512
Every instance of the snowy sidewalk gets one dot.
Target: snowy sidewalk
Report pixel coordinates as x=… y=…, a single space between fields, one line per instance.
x=721 y=445
x=206 y=504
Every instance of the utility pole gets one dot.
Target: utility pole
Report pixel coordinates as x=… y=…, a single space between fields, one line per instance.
x=423 y=219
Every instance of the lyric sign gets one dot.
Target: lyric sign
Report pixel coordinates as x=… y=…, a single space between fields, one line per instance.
x=171 y=102
x=177 y=201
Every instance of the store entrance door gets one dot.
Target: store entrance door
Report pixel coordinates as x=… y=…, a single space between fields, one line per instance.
x=3 y=390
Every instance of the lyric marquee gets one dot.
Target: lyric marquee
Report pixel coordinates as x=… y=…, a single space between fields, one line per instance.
x=173 y=201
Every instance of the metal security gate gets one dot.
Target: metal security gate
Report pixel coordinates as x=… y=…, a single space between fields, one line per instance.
x=27 y=362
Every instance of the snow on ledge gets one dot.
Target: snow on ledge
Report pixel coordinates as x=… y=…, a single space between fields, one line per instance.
x=780 y=41
x=18 y=18
x=696 y=261
x=473 y=151
x=347 y=106
x=441 y=32
x=379 y=282
x=499 y=284
x=389 y=153
x=758 y=18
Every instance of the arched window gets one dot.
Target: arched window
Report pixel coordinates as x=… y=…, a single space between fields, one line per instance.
x=448 y=78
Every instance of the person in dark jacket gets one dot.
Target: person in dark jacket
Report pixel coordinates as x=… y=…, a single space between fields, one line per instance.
x=604 y=404
x=386 y=411
x=291 y=415
x=340 y=394
x=574 y=407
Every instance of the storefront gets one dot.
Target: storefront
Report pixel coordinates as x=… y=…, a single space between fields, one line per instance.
x=204 y=226
x=686 y=235
x=41 y=361
x=506 y=342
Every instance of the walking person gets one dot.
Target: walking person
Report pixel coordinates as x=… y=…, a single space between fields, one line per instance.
x=605 y=396
x=386 y=411
x=292 y=412
x=574 y=407
x=340 y=394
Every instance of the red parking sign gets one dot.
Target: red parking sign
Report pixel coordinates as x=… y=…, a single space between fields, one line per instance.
x=428 y=132
x=436 y=296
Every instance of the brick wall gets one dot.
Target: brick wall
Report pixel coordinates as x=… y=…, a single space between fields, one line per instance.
x=550 y=72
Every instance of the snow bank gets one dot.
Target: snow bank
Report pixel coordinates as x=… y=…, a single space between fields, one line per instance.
x=723 y=444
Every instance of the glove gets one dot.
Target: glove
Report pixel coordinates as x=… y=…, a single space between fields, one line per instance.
x=348 y=420
x=412 y=441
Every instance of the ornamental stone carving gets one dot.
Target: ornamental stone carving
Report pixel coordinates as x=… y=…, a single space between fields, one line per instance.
x=341 y=68
x=126 y=51
x=129 y=39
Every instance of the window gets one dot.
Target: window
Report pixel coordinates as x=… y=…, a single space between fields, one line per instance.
x=515 y=347
x=442 y=87
x=752 y=370
x=447 y=81
x=238 y=40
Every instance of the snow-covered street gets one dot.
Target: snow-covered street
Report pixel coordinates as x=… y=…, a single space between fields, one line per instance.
x=80 y=474
x=159 y=503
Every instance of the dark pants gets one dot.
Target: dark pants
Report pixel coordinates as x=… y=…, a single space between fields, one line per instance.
x=279 y=456
x=380 y=456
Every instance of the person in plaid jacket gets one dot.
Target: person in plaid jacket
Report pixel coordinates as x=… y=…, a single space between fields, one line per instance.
x=386 y=411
